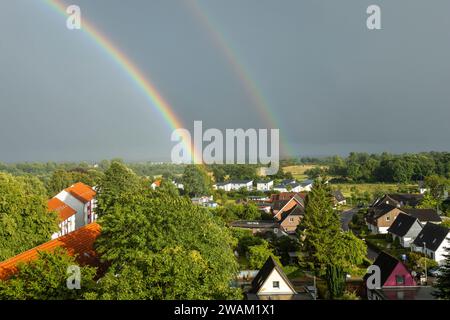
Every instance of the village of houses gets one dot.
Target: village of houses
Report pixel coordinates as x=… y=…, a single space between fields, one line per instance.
x=391 y=218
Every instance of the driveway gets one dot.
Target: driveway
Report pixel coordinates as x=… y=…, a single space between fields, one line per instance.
x=346 y=217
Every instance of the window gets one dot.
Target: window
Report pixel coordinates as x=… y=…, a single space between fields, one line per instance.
x=276 y=284
x=400 y=280
x=291 y=219
x=388 y=218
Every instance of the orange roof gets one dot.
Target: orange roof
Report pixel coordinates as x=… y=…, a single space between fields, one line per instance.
x=82 y=192
x=63 y=210
x=79 y=242
x=157 y=183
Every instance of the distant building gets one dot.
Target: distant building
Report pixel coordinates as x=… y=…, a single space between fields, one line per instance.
x=205 y=201
x=338 y=198
x=291 y=219
x=399 y=200
x=81 y=198
x=424 y=215
x=264 y=185
x=234 y=185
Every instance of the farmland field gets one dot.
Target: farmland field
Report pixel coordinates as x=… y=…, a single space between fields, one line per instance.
x=298 y=171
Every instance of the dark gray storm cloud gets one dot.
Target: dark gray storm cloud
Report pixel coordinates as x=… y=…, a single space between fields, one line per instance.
x=333 y=85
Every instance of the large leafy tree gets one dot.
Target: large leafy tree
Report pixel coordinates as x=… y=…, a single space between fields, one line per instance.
x=196 y=181
x=61 y=179
x=437 y=185
x=258 y=255
x=328 y=250
x=163 y=247
x=118 y=183
x=24 y=219
x=46 y=279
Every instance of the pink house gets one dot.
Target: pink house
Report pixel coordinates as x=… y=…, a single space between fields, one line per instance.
x=394 y=273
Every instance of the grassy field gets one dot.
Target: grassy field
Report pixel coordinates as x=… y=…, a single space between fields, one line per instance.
x=348 y=188
x=298 y=171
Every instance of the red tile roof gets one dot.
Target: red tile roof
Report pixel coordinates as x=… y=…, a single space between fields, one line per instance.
x=79 y=243
x=63 y=210
x=82 y=192
x=157 y=183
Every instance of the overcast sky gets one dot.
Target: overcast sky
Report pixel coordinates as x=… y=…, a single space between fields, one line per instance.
x=333 y=85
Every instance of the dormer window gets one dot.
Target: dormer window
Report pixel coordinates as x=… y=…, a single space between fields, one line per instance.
x=276 y=284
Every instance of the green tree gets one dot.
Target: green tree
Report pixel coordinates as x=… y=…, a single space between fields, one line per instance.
x=24 y=218
x=258 y=255
x=171 y=248
x=118 y=183
x=429 y=202
x=443 y=280
x=46 y=279
x=437 y=185
x=196 y=181
x=328 y=250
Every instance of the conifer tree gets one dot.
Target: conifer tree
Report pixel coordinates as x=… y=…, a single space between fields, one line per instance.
x=443 y=280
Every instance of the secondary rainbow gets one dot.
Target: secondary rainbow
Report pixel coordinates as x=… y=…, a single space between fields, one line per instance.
x=142 y=82
x=248 y=83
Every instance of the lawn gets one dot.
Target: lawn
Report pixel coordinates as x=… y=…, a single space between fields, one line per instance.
x=298 y=171
x=380 y=242
x=348 y=188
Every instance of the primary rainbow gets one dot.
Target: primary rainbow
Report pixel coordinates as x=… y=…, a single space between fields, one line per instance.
x=143 y=82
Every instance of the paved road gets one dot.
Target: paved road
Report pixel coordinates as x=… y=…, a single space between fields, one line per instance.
x=346 y=217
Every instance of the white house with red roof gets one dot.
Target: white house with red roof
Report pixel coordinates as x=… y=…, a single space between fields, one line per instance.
x=81 y=198
x=66 y=216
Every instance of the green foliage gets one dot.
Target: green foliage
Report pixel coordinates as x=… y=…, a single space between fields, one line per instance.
x=258 y=255
x=437 y=185
x=61 y=179
x=327 y=249
x=315 y=172
x=222 y=172
x=164 y=247
x=45 y=279
x=231 y=212
x=24 y=219
x=429 y=202
x=443 y=280
x=196 y=181
x=117 y=184
x=350 y=295
x=417 y=261
x=404 y=168
x=446 y=223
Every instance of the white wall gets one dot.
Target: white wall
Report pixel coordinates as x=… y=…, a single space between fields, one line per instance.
x=70 y=223
x=76 y=204
x=267 y=287
x=264 y=186
x=440 y=252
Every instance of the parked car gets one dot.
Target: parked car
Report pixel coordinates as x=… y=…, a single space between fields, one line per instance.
x=435 y=272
